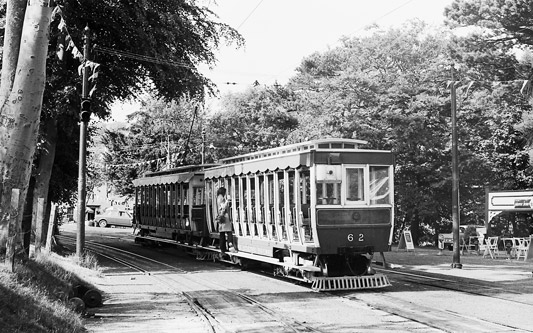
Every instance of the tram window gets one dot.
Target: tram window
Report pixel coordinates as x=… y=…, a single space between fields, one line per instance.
x=244 y=192
x=379 y=185
x=186 y=195
x=261 y=190
x=328 y=193
x=291 y=187
x=178 y=200
x=198 y=196
x=229 y=190
x=355 y=185
x=281 y=192
x=252 y=191
x=305 y=186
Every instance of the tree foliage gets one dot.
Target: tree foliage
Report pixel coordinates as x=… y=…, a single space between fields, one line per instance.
x=505 y=20
x=161 y=135
x=165 y=135
x=253 y=120
x=139 y=45
x=507 y=25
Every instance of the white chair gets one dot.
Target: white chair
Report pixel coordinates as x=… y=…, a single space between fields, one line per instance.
x=491 y=247
x=482 y=245
x=522 y=248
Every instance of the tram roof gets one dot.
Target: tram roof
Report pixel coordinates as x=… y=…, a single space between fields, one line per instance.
x=290 y=156
x=177 y=175
x=329 y=143
x=181 y=169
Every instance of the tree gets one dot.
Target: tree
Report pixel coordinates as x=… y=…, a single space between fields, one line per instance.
x=500 y=93
x=21 y=95
x=140 y=45
x=505 y=23
x=252 y=120
x=504 y=20
x=162 y=135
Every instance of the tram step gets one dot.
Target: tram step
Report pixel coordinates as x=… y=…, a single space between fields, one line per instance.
x=322 y=283
x=274 y=261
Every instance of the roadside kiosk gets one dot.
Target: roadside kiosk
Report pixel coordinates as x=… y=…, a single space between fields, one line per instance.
x=509 y=201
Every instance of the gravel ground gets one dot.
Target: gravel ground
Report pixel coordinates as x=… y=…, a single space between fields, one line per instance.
x=134 y=304
x=474 y=266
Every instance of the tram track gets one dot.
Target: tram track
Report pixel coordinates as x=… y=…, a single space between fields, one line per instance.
x=98 y=248
x=202 y=305
x=447 y=316
x=465 y=286
x=217 y=305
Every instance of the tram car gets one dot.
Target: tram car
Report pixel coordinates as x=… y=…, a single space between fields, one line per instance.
x=317 y=211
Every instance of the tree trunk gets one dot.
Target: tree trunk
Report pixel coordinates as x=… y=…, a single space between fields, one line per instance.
x=415 y=227
x=14 y=22
x=20 y=114
x=42 y=176
x=26 y=231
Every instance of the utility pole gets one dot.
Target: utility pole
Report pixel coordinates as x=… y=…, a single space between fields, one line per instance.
x=85 y=116
x=455 y=179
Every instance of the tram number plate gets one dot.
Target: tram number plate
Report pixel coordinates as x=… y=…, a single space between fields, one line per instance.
x=359 y=238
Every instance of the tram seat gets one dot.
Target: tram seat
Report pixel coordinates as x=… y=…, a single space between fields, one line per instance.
x=198 y=218
x=185 y=211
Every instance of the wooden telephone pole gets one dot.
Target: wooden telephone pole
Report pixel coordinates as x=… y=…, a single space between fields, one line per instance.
x=456 y=263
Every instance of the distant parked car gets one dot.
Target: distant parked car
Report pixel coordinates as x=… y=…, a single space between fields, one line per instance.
x=113 y=217
x=447 y=239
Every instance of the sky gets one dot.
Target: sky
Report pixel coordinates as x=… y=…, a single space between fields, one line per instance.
x=280 y=33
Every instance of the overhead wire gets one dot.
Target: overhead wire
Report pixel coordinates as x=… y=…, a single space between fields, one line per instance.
x=373 y=21
x=250 y=14
x=141 y=57
x=382 y=16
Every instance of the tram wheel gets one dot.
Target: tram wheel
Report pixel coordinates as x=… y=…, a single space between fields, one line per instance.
x=323 y=266
x=357 y=265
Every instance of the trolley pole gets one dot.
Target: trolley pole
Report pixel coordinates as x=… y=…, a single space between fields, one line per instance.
x=85 y=115
x=455 y=180
x=203 y=145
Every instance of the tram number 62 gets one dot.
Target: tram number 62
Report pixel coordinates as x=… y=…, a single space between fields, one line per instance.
x=351 y=237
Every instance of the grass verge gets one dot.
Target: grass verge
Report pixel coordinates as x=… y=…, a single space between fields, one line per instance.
x=35 y=297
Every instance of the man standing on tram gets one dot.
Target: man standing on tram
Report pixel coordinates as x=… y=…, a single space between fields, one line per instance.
x=224 y=223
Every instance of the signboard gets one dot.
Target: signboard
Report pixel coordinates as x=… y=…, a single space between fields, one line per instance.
x=522 y=203
x=406 y=241
x=509 y=201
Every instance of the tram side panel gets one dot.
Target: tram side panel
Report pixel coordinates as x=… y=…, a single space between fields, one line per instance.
x=353 y=231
